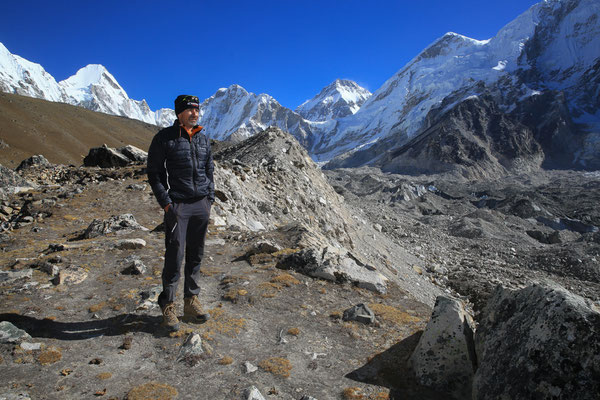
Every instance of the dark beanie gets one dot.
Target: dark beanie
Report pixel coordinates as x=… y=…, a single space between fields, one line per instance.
x=183 y=102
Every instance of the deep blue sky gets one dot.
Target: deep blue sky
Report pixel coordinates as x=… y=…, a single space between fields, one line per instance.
x=288 y=49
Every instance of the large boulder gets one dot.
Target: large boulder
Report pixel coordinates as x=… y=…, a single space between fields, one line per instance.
x=107 y=157
x=133 y=153
x=444 y=358
x=541 y=342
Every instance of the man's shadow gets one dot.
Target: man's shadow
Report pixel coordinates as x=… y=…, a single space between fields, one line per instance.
x=113 y=326
x=391 y=369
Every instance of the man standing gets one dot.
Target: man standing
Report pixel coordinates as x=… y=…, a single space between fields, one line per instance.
x=180 y=172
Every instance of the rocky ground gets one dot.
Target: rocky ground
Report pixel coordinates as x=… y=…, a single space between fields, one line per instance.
x=289 y=250
x=511 y=231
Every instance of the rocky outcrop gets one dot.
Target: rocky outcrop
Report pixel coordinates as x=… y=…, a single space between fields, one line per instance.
x=445 y=357
x=34 y=161
x=539 y=342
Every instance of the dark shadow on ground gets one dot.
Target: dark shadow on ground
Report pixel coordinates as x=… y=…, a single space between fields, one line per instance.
x=113 y=326
x=391 y=369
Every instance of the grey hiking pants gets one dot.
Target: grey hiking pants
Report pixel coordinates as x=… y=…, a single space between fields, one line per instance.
x=185 y=230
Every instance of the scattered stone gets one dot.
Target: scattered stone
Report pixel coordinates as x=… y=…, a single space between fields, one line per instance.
x=249 y=367
x=137 y=186
x=152 y=293
x=359 y=313
x=71 y=275
x=135 y=267
x=444 y=358
x=96 y=361
x=252 y=393
x=305 y=397
x=11 y=334
x=7 y=277
x=54 y=247
x=538 y=342
x=30 y=346
x=115 y=223
x=263 y=247
x=191 y=351
x=130 y=244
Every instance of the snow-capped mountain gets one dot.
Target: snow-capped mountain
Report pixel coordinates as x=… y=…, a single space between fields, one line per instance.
x=92 y=87
x=23 y=77
x=539 y=75
x=339 y=99
x=553 y=46
x=234 y=114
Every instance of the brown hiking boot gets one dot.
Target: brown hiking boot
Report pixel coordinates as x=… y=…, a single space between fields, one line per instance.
x=192 y=310
x=170 y=317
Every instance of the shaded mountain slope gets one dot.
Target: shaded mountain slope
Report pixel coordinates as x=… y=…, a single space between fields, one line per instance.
x=61 y=132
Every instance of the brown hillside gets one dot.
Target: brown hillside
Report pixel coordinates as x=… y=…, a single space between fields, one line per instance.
x=61 y=132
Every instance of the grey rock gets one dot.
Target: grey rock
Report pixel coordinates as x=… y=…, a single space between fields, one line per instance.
x=334 y=265
x=444 y=358
x=105 y=157
x=34 y=161
x=252 y=393
x=249 y=367
x=13 y=276
x=191 y=352
x=152 y=294
x=115 y=223
x=263 y=247
x=360 y=313
x=137 y=186
x=10 y=180
x=538 y=342
x=30 y=346
x=130 y=244
x=133 y=153
x=71 y=275
x=135 y=267
x=11 y=334
x=305 y=397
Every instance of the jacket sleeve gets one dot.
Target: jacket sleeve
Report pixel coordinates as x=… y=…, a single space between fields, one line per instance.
x=157 y=174
x=209 y=168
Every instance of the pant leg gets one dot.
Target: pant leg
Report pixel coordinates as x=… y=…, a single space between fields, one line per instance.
x=196 y=235
x=176 y=224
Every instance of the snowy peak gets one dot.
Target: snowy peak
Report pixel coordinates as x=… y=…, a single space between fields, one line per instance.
x=92 y=87
x=17 y=75
x=339 y=99
x=234 y=113
x=93 y=74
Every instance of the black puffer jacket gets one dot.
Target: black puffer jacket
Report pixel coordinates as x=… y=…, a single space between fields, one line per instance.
x=180 y=169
